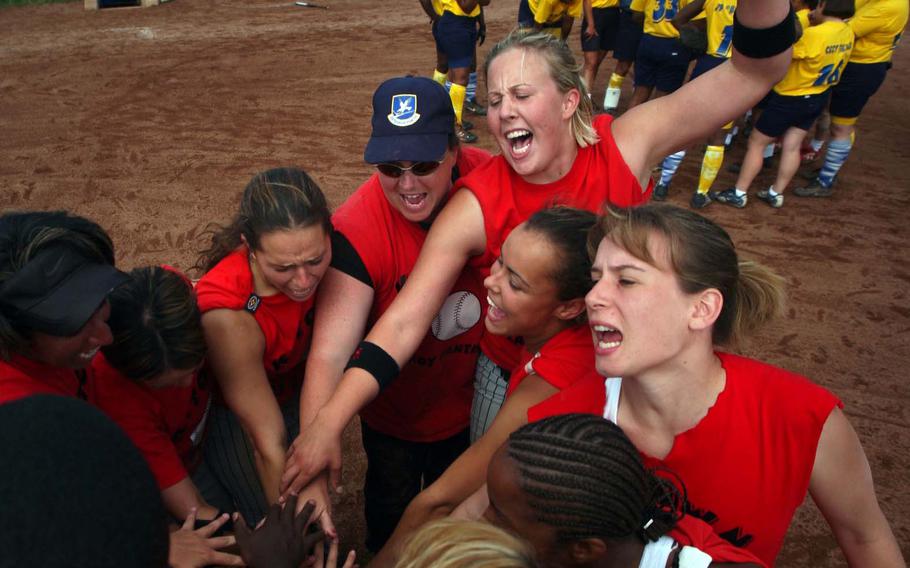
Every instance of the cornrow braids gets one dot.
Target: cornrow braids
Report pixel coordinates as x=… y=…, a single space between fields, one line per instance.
x=585 y=478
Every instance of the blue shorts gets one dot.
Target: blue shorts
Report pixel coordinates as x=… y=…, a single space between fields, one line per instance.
x=705 y=63
x=627 y=38
x=456 y=36
x=783 y=112
x=606 y=22
x=857 y=85
x=662 y=63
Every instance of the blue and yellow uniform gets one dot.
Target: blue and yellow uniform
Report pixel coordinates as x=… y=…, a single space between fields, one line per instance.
x=455 y=33
x=719 y=29
x=878 y=26
x=662 y=61
x=606 y=21
x=547 y=14
x=629 y=35
x=819 y=58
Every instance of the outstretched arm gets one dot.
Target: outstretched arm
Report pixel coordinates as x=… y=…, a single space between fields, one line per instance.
x=342 y=310
x=841 y=486
x=236 y=346
x=469 y=472
x=457 y=234
x=651 y=131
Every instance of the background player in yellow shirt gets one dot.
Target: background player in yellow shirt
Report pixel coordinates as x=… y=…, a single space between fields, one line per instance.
x=662 y=61
x=819 y=58
x=455 y=32
x=719 y=30
x=599 y=29
x=555 y=17
x=878 y=25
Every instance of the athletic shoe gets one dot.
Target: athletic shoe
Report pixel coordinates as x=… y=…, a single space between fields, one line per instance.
x=808 y=155
x=661 y=191
x=700 y=200
x=775 y=201
x=467 y=125
x=465 y=136
x=814 y=189
x=729 y=197
x=474 y=107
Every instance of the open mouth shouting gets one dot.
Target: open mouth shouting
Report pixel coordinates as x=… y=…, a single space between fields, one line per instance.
x=413 y=201
x=606 y=338
x=519 y=141
x=494 y=312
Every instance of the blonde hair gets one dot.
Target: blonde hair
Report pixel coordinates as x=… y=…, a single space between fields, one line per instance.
x=564 y=71
x=453 y=543
x=703 y=256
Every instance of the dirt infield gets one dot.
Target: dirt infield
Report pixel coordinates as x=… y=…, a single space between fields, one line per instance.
x=152 y=120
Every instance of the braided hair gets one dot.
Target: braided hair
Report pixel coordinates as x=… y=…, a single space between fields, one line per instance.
x=585 y=478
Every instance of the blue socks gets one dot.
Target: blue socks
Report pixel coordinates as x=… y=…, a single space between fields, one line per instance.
x=472 y=86
x=837 y=153
x=669 y=166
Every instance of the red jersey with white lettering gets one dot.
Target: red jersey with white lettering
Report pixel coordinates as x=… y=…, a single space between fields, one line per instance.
x=431 y=398
x=21 y=377
x=599 y=175
x=563 y=360
x=746 y=465
x=165 y=424
x=286 y=325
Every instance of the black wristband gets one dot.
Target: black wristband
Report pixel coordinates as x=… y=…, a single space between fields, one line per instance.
x=374 y=360
x=764 y=42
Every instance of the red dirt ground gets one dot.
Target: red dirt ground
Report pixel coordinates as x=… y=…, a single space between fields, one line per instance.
x=152 y=120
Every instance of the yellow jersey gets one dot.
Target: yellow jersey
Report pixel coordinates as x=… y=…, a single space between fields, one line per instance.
x=719 y=27
x=604 y=3
x=452 y=6
x=552 y=11
x=658 y=14
x=819 y=58
x=878 y=26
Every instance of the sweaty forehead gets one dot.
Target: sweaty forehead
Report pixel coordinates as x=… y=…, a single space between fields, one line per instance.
x=517 y=66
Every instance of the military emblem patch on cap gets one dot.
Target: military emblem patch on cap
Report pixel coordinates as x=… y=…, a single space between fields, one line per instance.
x=404 y=110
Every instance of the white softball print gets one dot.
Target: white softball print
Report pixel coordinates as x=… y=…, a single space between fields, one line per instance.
x=459 y=313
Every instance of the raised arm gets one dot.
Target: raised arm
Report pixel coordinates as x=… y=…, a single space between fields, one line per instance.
x=456 y=235
x=468 y=473
x=651 y=131
x=236 y=346
x=841 y=486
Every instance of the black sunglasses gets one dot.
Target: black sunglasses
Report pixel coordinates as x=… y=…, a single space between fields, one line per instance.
x=417 y=168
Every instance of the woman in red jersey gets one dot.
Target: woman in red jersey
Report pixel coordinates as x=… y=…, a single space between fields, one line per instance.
x=257 y=299
x=56 y=271
x=552 y=151
x=747 y=439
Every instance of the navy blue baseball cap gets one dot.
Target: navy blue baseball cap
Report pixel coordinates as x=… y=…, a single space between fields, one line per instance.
x=412 y=121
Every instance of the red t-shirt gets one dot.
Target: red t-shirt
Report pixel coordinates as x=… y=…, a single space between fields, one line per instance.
x=746 y=465
x=431 y=398
x=165 y=424
x=286 y=325
x=566 y=358
x=21 y=377
x=598 y=175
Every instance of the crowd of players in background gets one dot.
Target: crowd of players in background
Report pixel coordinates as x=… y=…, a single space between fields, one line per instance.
x=469 y=406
